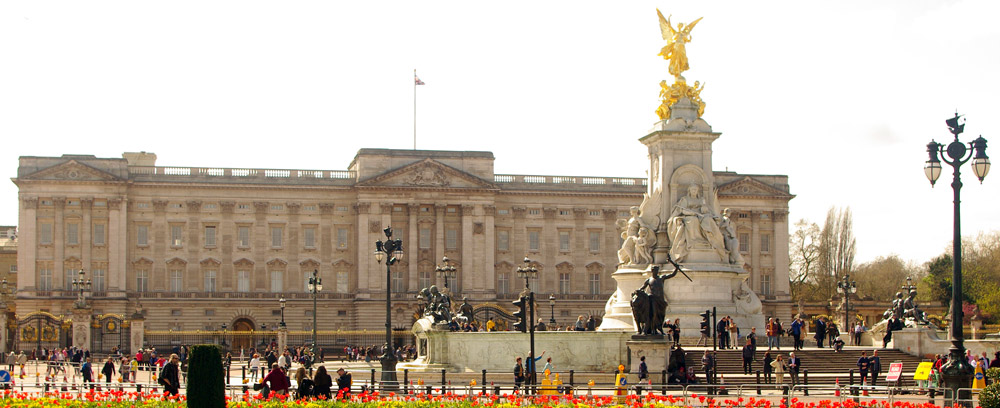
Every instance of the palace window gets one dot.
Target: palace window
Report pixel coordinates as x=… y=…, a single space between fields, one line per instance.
x=533 y=243
x=142 y=280
x=45 y=233
x=564 y=241
x=744 y=242
x=100 y=280
x=765 y=242
x=595 y=284
x=342 y=238
x=176 y=280
x=425 y=238
x=176 y=235
x=99 y=234
x=276 y=236
x=210 y=277
x=342 y=282
x=424 y=278
x=595 y=241
x=534 y=211
x=243 y=281
x=277 y=281
x=564 y=283
x=503 y=240
x=397 y=281
x=765 y=284
x=310 y=237
x=451 y=239
x=243 y=237
x=503 y=211
x=45 y=279
x=210 y=236
x=72 y=234
x=595 y=213
x=503 y=283
x=142 y=235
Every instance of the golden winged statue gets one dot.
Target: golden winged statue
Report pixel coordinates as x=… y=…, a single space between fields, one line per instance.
x=675 y=51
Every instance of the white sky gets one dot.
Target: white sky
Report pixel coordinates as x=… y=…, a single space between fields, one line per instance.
x=842 y=96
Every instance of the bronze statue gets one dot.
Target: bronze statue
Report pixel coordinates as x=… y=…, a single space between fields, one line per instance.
x=651 y=307
x=465 y=311
x=438 y=306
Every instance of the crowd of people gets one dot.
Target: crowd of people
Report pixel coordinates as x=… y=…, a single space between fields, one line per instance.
x=583 y=323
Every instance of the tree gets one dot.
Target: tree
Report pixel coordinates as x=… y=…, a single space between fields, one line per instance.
x=837 y=243
x=882 y=277
x=206 y=377
x=804 y=253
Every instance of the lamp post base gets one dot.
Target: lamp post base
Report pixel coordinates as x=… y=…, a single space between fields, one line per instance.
x=957 y=373
x=389 y=383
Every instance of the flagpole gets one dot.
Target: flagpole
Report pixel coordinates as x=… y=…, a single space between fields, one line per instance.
x=414 y=110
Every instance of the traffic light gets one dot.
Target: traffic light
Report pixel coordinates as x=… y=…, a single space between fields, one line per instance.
x=521 y=314
x=706 y=327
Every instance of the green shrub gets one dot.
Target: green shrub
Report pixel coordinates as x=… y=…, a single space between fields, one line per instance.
x=993 y=374
x=989 y=397
x=206 y=380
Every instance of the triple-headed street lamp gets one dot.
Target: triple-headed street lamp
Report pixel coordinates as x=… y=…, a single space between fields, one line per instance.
x=957 y=372
x=446 y=271
x=81 y=284
x=847 y=287
x=315 y=286
x=282 y=301
x=528 y=272
x=552 y=305
x=393 y=248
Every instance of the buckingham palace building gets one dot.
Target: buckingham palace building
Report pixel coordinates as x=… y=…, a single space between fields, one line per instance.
x=196 y=248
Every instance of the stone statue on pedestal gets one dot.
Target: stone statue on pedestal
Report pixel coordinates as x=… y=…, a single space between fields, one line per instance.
x=638 y=239
x=465 y=311
x=911 y=310
x=438 y=304
x=692 y=222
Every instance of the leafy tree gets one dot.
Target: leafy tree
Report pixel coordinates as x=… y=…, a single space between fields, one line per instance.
x=206 y=379
x=882 y=277
x=804 y=253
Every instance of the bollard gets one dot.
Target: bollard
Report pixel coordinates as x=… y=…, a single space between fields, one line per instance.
x=571 y=383
x=484 y=382
x=444 y=381
x=758 y=382
x=406 y=381
x=373 y=378
x=244 y=369
x=496 y=390
x=930 y=396
x=663 y=389
x=805 y=382
x=429 y=389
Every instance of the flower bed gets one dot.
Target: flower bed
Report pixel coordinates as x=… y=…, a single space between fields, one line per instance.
x=122 y=399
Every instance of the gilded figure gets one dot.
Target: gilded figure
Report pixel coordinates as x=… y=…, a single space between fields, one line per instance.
x=675 y=51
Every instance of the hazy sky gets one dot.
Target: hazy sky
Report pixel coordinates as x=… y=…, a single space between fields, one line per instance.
x=842 y=96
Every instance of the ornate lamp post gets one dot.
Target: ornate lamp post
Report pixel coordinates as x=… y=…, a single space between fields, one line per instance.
x=957 y=372
x=528 y=272
x=552 y=305
x=223 y=342
x=81 y=285
x=847 y=287
x=446 y=271
x=282 y=301
x=315 y=286
x=393 y=248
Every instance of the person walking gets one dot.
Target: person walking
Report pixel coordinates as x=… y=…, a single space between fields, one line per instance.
x=771 y=330
x=863 y=364
x=779 y=370
x=722 y=329
x=87 y=371
x=820 y=332
x=676 y=332
x=108 y=370
x=518 y=374
x=796 y=331
x=170 y=376
x=747 y=358
x=708 y=366
x=874 y=366
x=794 y=364
x=767 y=367
x=125 y=368
x=643 y=370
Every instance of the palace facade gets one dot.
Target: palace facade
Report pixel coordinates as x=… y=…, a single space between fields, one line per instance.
x=196 y=248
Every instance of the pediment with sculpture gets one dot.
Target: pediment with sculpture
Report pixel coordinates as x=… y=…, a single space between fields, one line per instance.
x=71 y=170
x=428 y=173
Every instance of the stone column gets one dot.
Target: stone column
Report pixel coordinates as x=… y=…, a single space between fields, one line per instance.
x=3 y=330
x=472 y=273
x=260 y=242
x=117 y=246
x=58 y=242
x=579 y=250
x=490 y=249
x=137 y=330
x=81 y=327
x=158 y=281
x=227 y=227
x=85 y=239
x=364 y=249
x=282 y=339
x=780 y=250
x=413 y=212
x=28 y=249
x=755 y=250
x=548 y=246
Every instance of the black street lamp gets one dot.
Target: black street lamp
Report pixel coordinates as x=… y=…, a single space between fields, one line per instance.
x=552 y=305
x=847 y=287
x=446 y=271
x=223 y=342
x=315 y=286
x=528 y=272
x=81 y=284
x=957 y=372
x=393 y=248
x=282 y=301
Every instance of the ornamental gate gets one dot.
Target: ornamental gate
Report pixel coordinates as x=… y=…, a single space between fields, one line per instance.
x=38 y=330
x=502 y=319
x=109 y=331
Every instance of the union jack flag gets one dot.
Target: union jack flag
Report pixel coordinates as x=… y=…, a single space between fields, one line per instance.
x=416 y=80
